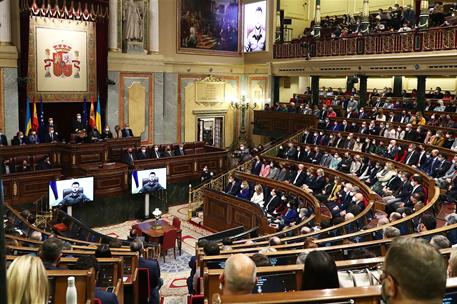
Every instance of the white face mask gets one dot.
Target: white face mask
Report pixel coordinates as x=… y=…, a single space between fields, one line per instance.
x=156 y=149
x=272 y=193
x=144 y=151
x=410 y=150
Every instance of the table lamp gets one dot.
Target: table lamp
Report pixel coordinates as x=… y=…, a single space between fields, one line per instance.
x=156 y=213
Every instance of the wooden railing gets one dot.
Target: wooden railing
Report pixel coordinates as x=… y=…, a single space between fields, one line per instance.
x=434 y=39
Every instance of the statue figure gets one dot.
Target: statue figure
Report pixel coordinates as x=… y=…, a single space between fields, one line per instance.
x=133 y=20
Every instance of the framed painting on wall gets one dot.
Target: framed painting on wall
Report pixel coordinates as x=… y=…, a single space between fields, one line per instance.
x=62 y=59
x=210 y=27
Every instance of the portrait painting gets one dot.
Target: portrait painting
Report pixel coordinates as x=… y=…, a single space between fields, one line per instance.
x=254 y=31
x=210 y=27
x=62 y=59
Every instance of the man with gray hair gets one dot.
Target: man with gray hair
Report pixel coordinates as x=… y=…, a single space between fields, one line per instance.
x=451 y=219
x=239 y=276
x=35 y=236
x=440 y=242
x=390 y=232
x=414 y=272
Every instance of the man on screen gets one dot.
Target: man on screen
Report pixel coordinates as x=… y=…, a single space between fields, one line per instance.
x=152 y=185
x=255 y=40
x=75 y=196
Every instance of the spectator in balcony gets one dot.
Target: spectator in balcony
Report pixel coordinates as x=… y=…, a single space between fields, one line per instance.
x=274 y=171
x=265 y=169
x=206 y=174
x=405 y=28
x=233 y=187
x=380 y=116
x=437 y=94
x=440 y=107
x=257 y=197
x=437 y=139
x=244 y=192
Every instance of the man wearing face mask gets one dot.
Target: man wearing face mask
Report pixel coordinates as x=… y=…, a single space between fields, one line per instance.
x=413 y=272
x=273 y=202
x=107 y=133
x=156 y=153
x=233 y=187
x=445 y=180
x=143 y=153
x=18 y=139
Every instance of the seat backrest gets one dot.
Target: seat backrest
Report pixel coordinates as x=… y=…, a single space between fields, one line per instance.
x=144 y=286
x=177 y=222
x=169 y=239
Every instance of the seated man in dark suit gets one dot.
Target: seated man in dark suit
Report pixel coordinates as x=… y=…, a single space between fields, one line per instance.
x=143 y=153
x=128 y=157
x=52 y=136
x=24 y=167
x=51 y=252
x=167 y=152
x=152 y=265
x=180 y=150
x=3 y=139
x=78 y=124
x=156 y=152
x=76 y=196
x=127 y=132
x=33 y=138
x=87 y=262
x=233 y=187
x=106 y=134
x=45 y=163
x=94 y=134
x=18 y=139
x=273 y=202
x=152 y=184
x=7 y=168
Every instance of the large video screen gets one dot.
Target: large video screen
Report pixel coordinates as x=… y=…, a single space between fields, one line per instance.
x=70 y=192
x=254 y=31
x=149 y=181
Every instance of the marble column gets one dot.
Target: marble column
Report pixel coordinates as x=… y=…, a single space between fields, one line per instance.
x=153 y=26
x=315 y=89
x=317 y=20
x=5 y=22
x=112 y=36
x=423 y=18
x=365 y=25
x=363 y=80
x=420 y=97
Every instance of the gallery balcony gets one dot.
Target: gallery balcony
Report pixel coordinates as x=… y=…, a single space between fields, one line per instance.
x=434 y=39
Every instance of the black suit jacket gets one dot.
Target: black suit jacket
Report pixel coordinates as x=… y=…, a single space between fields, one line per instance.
x=232 y=188
x=179 y=152
x=318 y=184
x=12 y=169
x=256 y=167
x=141 y=155
x=272 y=204
x=154 y=270
x=55 y=136
x=156 y=154
x=128 y=159
x=412 y=158
x=3 y=140
x=17 y=141
x=127 y=133
x=298 y=179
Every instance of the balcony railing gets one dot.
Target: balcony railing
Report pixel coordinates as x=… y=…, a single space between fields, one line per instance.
x=434 y=39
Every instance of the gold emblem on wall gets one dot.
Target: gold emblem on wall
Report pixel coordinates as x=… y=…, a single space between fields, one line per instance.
x=137 y=105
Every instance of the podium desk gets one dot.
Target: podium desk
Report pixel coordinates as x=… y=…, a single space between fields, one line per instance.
x=27 y=187
x=109 y=178
x=73 y=156
x=152 y=235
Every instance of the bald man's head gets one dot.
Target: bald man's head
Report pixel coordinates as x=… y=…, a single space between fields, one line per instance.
x=239 y=275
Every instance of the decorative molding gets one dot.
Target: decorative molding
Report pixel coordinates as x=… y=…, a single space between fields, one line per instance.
x=150 y=78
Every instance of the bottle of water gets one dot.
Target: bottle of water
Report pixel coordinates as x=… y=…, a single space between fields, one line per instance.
x=72 y=297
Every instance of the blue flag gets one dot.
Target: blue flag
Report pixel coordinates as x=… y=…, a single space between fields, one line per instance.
x=53 y=185
x=28 y=118
x=135 y=177
x=42 y=130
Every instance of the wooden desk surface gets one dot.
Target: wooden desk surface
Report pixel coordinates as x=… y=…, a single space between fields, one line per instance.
x=103 y=166
x=146 y=228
